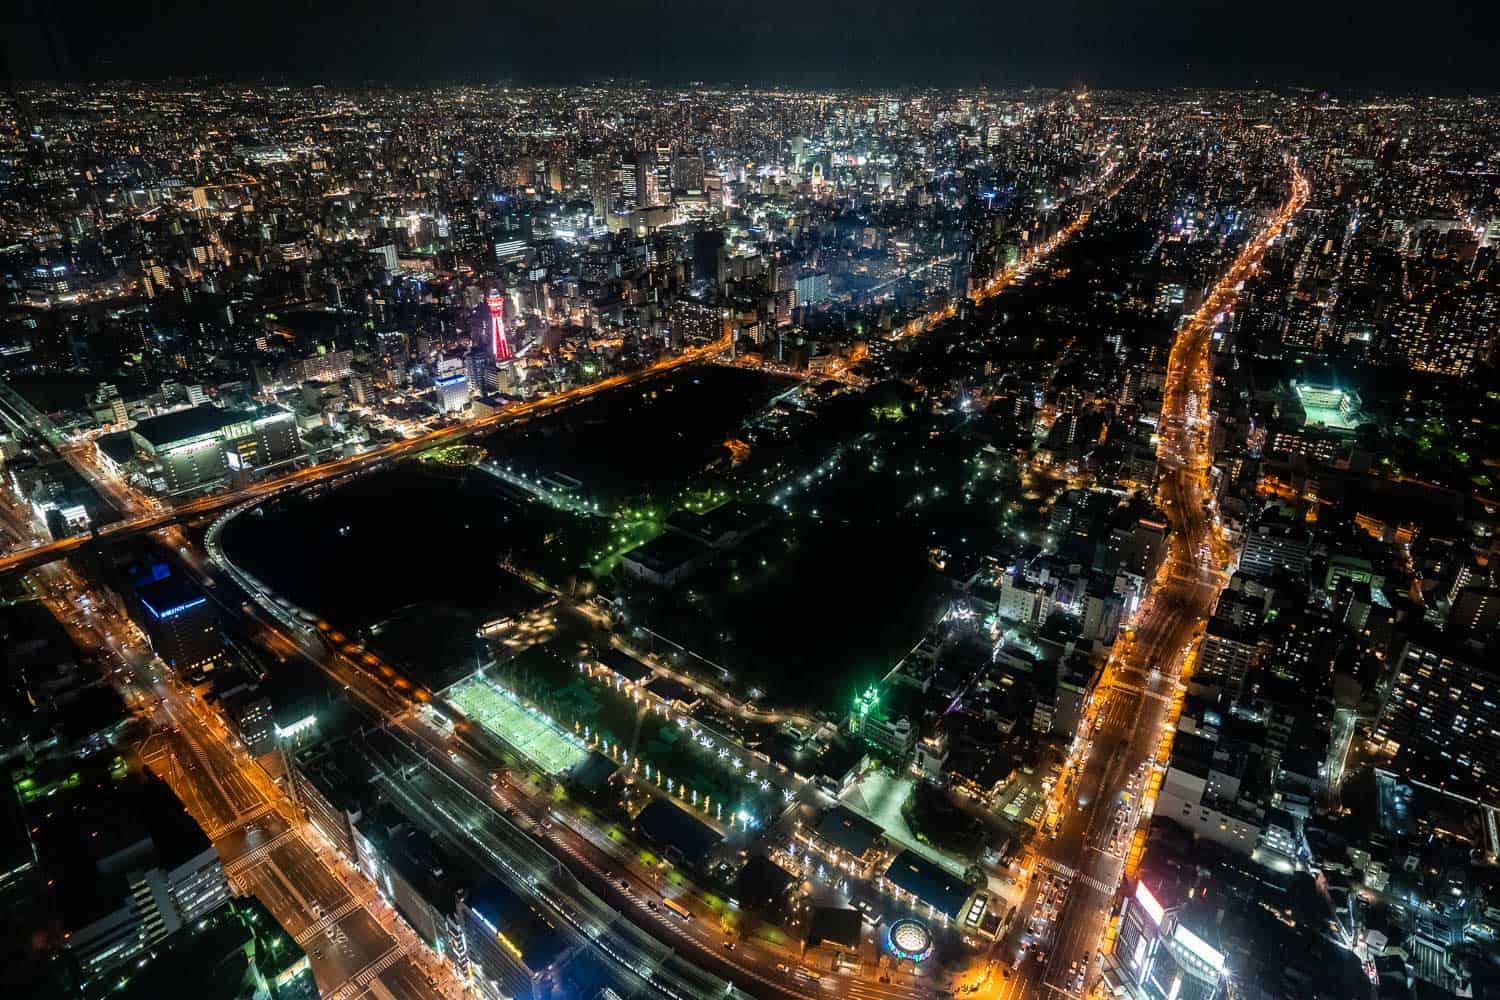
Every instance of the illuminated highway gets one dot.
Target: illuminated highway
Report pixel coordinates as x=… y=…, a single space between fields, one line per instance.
x=1134 y=707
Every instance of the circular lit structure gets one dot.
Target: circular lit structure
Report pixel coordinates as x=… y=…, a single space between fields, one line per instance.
x=909 y=939
x=454 y=456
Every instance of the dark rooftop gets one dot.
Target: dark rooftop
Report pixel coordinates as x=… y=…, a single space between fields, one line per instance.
x=339 y=771
x=762 y=883
x=170 y=596
x=848 y=831
x=834 y=924
x=624 y=664
x=215 y=957
x=90 y=835
x=671 y=689
x=666 y=552
x=928 y=882
x=839 y=759
x=169 y=428
x=523 y=924
x=673 y=829
x=118 y=446
x=593 y=773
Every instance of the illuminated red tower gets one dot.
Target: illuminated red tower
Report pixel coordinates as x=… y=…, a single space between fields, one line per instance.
x=499 y=346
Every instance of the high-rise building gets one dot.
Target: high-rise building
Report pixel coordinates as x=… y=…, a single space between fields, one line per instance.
x=451 y=386
x=512 y=945
x=647 y=191
x=687 y=172
x=1166 y=947
x=181 y=624
x=1441 y=722
x=708 y=254
x=601 y=185
x=812 y=288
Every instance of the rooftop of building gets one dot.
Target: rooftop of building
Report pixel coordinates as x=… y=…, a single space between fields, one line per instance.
x=673 y=828
x=93 y=832
x=519 y=925
x=666 y=552
x=837 y=925
x=216 y=956
x=422 y=862
x=671 y=689
x=848 y=831
x=170 y=596
x=762 y=883
x=713 y=526
x=839 y=759
x=340 y=772
x=930 y=883
x=624 y=664
x=167 y=429
x=118 y=446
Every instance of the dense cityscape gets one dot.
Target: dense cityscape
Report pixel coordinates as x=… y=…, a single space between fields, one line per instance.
x=501 y=541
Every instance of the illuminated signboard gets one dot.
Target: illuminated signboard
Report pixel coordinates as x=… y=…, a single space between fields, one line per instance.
x=1199 y=947
x=301 y=725
x=1149 y=904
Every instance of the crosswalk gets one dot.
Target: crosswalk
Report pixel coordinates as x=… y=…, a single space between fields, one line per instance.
x=254 y=857
x=1074 y=875
x=361 y=980
x=1058 y=868
x=248 y=816
x=326 y=921
x=1137 y=689
x=1097 y=885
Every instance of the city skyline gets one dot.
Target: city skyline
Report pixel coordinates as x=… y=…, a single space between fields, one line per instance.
x=574 y=542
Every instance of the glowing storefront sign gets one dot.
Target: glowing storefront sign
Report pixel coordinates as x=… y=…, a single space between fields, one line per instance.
x=1148 y=903
x=1199 y=947
x=301 y=725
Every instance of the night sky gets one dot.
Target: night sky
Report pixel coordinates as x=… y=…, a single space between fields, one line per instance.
x=1445 y=46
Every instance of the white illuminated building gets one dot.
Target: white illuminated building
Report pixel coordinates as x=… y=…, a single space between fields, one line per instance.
x=1161 y=956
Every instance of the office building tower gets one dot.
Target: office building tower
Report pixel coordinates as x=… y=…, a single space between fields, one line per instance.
x=182 y=624
x=1166 y=948
x=601 y=185
x=451 y=386
x=687 y=172
x=708 y=254
x=512 y=945
x=646 y=185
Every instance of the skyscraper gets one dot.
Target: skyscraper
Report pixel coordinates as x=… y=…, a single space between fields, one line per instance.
x=646 y=189
x=182 y=625
x=687 y=172
x=601 y=184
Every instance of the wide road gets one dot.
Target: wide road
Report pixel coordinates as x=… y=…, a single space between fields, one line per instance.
x=1133 y=703
x=356 y=944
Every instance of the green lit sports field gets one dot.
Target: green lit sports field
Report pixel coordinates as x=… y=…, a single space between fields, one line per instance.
x=531 y=734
